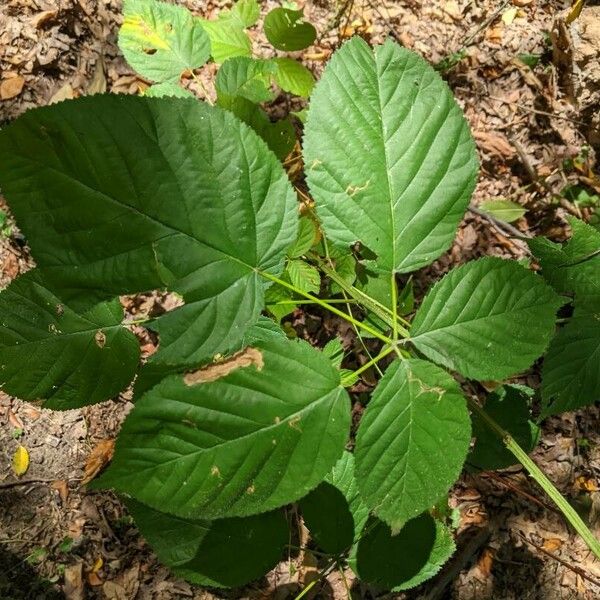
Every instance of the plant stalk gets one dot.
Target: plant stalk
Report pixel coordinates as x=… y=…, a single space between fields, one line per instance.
x=540 y=478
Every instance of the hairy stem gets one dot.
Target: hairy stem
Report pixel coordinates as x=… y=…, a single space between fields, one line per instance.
x=540 y=478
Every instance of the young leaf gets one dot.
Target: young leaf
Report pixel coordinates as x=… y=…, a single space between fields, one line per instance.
x=412 y=440
x=488 y=319
x=292 y=76
x=504 y=210
x=244 y=77
x=574 y=267
x=168 y=88
x=509 y=407
x=304 y=276
x=202 y=210
x=390 y=160
x=160 y=40
x=405 y=560
x=308 y=236
x=222 y=553
x=227 y=39
x=263 y=434
x=334 y=512
x=48 y=351
x=287 y=30
x=571 y=371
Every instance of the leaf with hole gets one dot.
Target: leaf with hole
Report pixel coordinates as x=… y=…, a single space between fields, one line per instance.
x=48 y=351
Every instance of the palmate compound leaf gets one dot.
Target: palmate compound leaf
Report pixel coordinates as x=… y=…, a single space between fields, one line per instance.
x=404 y=560
x=122 y=194
x=334 y=512
x=221 y=553
x=412 y=440
x=259 y=437
x=48 y=351
x=161 y=40
x=571 y=370
x=389 y=157
x=488 y=319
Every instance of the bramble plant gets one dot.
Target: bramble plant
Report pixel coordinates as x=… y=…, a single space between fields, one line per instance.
x=233 y=421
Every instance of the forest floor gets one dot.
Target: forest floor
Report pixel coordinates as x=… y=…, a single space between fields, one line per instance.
x=532 y=114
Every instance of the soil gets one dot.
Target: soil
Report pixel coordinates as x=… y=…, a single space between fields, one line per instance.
x=535 y=127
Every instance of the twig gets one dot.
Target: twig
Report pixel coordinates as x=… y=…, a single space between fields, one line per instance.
x=506 y=229
x=563 y=562
x=19 y=482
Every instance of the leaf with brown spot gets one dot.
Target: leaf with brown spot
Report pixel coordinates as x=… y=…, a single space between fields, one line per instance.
x=243 y=358
x=98 y=458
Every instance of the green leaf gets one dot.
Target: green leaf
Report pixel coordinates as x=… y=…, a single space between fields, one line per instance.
x=503 y=210
x=279 y=136
x=334 y=512
x=405 y=560
x=292 y=76
x=308 y=235
x=571 y=372
x=287 y=30
x=121 y=194
x=389 y=157
x=222 y=553
x=334 y=350
x=160 y=40
x=574 y=267
x=488 y=319
x=277 y=294
x=344 y=264
x=509 y=407
x=245 y=77
x=168 y=88
x=303 y=276
x=246 y=12
x=255 y=439
x=49 y=351
x=227 y=39
x=412 y=440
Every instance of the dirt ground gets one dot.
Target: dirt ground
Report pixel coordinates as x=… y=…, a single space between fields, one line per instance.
x=534 y=125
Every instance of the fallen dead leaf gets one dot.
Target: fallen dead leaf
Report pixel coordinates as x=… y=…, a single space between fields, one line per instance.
x=73 y=587
x=243 y=358
x=64 y=93
x=494 y=143
x=43 y=17
x=62 y=487
x=31 y=413
x=586 y=485
x=98 y=458
x=552 y=544
x=14 y=420
x=20 y=461
x=114 y=591
x=98 y=82
x=485 y=562
x=10 y=88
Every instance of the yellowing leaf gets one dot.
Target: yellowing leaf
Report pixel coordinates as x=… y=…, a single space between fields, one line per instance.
x=20 y=462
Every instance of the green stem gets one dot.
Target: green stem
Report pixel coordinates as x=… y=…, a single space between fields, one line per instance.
x=386 y=350
x=304 y=301
x=540 y=478
x=327 y=306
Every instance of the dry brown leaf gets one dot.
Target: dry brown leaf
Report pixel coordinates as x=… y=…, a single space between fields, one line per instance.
x=552 y=544
x=94 y=579
x=64 y=93
x=62 y=487
x=485 y=562
x=43 y=17
x=114 y=591
x=494 y=143
x=20 y=461
x=98 y=458
x=586 y=485
x=521 y=3
x=98 y=83
x=10 y=88
x=73 y=588
x=243 y=358
x=31 y=413
x=14 y=420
